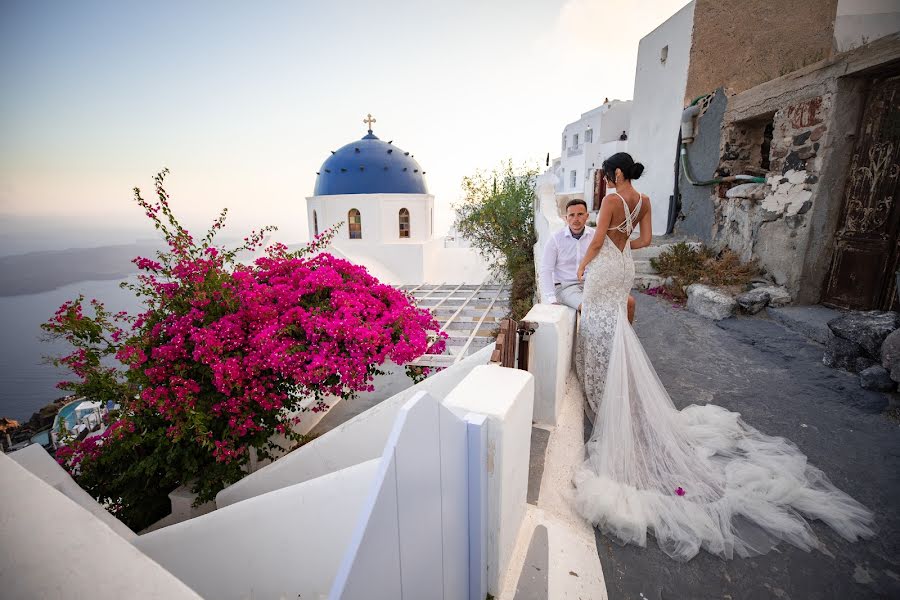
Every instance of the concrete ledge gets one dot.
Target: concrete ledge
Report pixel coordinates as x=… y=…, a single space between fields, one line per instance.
x=550 y=357
x=51 y=547
x=35 y=459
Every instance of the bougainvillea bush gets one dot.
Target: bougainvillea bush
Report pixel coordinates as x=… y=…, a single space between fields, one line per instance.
x=221 y=357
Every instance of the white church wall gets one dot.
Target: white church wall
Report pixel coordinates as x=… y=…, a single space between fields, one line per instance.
x=51 y=547
x=506 y=398
x=659 y=87
x=454 y=264
x=419 y=208
x=359 y=439
x=859 y=22
x=287 y=543
x=35 y=459
x=396 y=264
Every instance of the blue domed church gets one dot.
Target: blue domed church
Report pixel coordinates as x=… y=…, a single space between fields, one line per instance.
x=378 y=191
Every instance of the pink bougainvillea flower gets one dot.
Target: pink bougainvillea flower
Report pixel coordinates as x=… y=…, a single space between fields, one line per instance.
x=679 y=491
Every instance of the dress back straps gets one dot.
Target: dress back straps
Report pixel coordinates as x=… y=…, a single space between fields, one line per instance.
x=627 y=226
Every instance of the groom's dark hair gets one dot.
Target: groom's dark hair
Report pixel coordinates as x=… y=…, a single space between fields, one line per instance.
x=575 y=202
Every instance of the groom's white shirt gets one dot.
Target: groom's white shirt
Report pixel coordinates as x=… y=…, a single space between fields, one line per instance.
x=562 y=255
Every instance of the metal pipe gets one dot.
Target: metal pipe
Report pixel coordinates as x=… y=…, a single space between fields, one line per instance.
x=729 y=179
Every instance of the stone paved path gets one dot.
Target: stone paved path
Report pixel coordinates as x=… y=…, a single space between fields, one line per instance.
x=776 y=380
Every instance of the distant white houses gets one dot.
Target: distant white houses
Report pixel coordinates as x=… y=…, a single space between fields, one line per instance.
x=586 y=143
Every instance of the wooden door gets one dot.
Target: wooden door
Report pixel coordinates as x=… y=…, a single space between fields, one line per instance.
x=867 y=249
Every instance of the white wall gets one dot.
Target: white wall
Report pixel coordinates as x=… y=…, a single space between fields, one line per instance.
x=36 y=460
x=454 y=264
x=284 y=544
x=369 y=432
x=506 y=398
x=658 y=102
x=380 y=215
x=859 y=22
x=607 y=123
x=550 y=354
x=50 y=547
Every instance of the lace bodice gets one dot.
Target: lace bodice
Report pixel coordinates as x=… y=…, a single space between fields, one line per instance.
x=608 y=280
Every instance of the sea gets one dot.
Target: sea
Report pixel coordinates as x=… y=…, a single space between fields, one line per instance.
x=27 y=382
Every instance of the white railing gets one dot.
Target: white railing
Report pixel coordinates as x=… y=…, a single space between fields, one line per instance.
x=422 y=529
x=575 y=151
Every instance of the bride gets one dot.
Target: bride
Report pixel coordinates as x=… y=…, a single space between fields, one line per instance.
x=695 y=478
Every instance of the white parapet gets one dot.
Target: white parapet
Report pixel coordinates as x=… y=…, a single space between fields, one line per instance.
x=359 y=439
x=550 y=357
x=506 y=398
x=284 y=544
x=35 y=459
x=51 y=547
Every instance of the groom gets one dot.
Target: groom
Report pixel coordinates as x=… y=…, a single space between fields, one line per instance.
x=562 y=254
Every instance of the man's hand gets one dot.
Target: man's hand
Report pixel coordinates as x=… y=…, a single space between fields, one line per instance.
x=581 y=272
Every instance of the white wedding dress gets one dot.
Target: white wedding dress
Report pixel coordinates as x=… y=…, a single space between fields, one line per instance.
x=695 y=478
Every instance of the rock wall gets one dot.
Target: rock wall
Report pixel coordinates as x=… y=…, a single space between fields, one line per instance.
x=770 y=222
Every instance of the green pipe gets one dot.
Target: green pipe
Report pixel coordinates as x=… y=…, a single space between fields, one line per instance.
x=730 y=179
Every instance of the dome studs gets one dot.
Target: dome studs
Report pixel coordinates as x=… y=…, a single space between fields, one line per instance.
x=390 y=150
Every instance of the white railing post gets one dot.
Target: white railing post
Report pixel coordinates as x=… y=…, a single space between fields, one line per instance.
x=476 y=433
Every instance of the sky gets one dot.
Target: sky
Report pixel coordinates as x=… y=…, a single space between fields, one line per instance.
x=243 y=101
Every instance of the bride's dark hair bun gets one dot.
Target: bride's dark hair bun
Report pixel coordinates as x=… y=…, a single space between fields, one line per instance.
x=623 y=161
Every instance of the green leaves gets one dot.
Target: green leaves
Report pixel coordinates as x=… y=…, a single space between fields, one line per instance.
x=497 y=217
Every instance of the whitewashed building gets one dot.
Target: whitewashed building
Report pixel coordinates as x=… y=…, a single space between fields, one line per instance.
x=659 y=86
x=586 y=143
x=379 y=192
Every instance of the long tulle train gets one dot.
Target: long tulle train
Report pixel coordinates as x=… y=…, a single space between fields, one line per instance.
x=700 y=477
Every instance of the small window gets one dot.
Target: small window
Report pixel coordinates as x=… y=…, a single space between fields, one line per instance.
x=588 y=136
x=664 y=54
x=315 y=223
x=355 y=220
x=564 y=143
x=575 y=140
x=574 y=175
x=404 y=223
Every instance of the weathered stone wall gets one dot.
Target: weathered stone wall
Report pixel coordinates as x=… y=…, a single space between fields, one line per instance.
x=770 y=222
x=738 y=44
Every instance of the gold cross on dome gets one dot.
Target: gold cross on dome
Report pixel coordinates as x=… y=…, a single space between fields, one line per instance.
x=369 y=120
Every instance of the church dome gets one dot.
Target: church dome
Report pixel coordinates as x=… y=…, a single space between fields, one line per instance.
x=370 y=166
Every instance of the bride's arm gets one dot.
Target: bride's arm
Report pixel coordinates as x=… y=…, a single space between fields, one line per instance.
x=646 y=224
x=603 y=219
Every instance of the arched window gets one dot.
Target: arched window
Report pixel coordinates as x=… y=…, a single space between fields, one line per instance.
x=404 y=223
x=355 y=221
x=315 y=223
